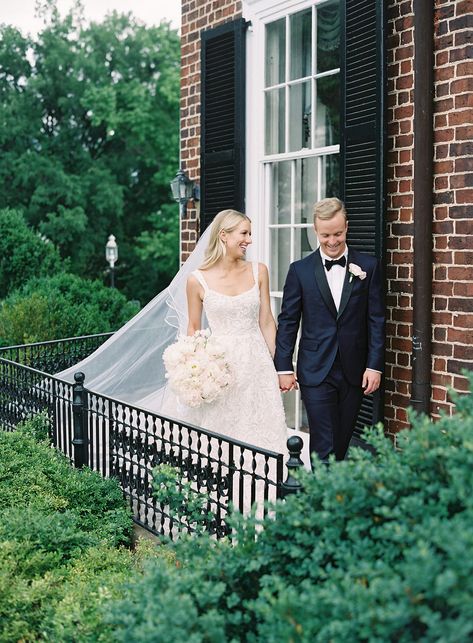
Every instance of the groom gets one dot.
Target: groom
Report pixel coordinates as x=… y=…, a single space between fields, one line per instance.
x=337 y=293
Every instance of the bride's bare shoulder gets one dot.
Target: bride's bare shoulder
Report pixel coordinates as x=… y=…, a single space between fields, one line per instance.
x=262 y=269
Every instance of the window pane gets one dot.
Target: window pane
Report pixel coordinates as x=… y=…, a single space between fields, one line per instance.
x=327 y=114
x=275 y=119
x=276 y=52
x=330 y=176
x=289 y=402
x=305 y=242
x=328 y=37
x=304 y=422
x=301 y=44
x=280 y=197
x=280 y=240
x=305 y=189
x=300 y=108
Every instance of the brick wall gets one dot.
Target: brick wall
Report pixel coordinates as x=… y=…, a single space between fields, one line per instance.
x=197 y=16
x=453 y=196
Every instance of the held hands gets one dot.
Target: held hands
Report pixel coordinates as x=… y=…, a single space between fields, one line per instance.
x=287 y=382
x=371 y=381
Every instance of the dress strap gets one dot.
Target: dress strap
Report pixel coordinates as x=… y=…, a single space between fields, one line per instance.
x=255 y=266
x=200 y=278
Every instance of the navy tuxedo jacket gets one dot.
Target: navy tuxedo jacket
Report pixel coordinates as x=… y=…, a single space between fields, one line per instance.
x=356 y=331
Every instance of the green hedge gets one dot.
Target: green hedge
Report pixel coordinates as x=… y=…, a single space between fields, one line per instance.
x=63 y=305
x=34 y=476
x=59 y=531
x=377 y=548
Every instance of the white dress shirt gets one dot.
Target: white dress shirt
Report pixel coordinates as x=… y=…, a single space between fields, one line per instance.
x=335 y=276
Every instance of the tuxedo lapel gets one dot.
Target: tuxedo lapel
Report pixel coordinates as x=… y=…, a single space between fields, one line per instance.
x=347 y=288
x=322 y=283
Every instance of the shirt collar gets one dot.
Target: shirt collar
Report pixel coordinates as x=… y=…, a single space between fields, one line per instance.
x=324 y=256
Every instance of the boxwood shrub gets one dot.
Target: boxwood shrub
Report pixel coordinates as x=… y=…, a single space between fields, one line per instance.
x=377 y=548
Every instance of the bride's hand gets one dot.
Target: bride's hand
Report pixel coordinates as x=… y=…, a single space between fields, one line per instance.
x=287 y=382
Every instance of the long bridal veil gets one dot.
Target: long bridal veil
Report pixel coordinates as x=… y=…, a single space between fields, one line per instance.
x=129 y=365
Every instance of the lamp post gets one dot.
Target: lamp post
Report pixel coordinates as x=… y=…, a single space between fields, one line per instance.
x=183 y=189
x=111 y=255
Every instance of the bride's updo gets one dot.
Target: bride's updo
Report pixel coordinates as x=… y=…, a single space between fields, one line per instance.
x=226 y=220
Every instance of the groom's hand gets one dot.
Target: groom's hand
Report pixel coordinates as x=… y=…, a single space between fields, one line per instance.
x=371 y=381
x=287 y=382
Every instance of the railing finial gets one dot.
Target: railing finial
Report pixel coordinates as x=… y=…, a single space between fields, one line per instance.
x=294 y=446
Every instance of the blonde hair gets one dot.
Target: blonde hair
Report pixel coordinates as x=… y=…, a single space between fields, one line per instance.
x=227 y=221
x=327 y=208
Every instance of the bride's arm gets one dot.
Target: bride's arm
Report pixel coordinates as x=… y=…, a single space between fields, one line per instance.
x=194 y=304
x=266 y=319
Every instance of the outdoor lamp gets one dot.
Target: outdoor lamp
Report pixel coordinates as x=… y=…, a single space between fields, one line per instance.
x=111 y=255
x=183 y=189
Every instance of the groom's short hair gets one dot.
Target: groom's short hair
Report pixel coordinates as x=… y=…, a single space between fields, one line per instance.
x=327 y=208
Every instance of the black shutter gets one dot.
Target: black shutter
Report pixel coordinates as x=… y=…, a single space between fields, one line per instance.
x=363 y=137
x=222 y=160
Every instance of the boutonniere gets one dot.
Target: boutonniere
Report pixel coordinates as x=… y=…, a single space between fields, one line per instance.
x=355 y=271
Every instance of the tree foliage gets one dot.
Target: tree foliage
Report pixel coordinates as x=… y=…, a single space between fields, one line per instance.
x=89 y=139
x=23 y=253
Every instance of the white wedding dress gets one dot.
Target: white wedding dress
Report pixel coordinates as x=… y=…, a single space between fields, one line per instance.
x=251 y=410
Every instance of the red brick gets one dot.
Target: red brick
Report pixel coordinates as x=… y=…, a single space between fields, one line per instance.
x=440 y=120
x=444 y=135
x=464 y=100
x=443 y=319
x=442 y=227
x=464 y=321
x=463 y=289
x=459 y=273
x=462 y=117
x=439 y=394
x=457 y=366
x=443 y=167
x=440 y=242
x=459 y=335
x=464 y=196
x=463 y=242
x=442 y=349
x=461 y=384
x=461 y=86
x=439 y=379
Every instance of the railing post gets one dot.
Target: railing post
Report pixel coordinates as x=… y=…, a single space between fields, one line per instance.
x=79 y=412
x=292 y=485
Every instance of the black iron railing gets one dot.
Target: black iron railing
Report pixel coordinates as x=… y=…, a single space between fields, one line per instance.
x=127 y=442
x=55 y=355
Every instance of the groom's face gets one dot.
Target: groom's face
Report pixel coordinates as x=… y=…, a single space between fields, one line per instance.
x=332 y=235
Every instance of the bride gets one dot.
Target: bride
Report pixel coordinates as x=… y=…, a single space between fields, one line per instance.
x=234 y=295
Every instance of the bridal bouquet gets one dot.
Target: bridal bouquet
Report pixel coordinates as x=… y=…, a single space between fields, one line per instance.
x=197 y=368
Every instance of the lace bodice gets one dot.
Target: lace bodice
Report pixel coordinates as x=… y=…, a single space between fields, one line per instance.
x=232 y=314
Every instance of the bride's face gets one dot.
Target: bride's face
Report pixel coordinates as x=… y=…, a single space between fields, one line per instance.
x=238 y=240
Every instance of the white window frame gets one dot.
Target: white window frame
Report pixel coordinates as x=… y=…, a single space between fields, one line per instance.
x=259 y=13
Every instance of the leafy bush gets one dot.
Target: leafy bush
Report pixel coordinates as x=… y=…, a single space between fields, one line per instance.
x=62 y=306
x=377 y=548
x=58 y=532
x=23 y=253
x=34 y=476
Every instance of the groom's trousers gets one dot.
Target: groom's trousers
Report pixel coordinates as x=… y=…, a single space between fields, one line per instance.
x=332 y=408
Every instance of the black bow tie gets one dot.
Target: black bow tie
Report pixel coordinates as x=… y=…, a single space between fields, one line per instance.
x=341 y=261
